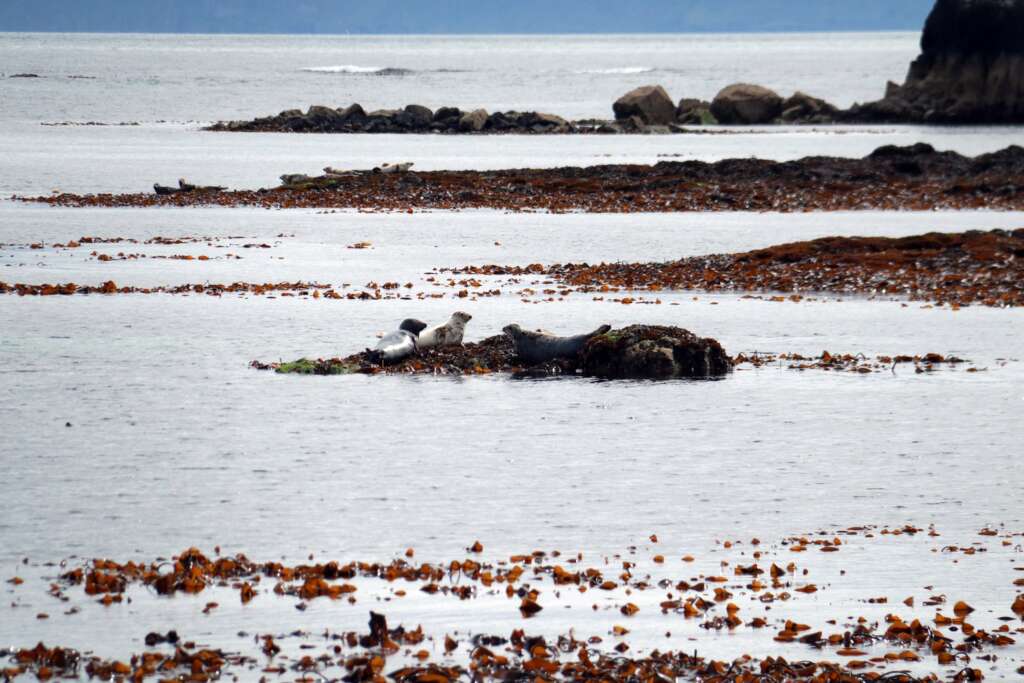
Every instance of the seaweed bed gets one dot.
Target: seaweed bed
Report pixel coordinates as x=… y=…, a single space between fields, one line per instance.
x=912 y=178
x=957 y=268
x=750 y=593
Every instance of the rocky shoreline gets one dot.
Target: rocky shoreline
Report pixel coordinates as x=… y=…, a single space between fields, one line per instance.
x=890 y=178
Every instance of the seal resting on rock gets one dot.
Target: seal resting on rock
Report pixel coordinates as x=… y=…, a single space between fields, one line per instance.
x=535 y=348
x=394 y=346
x=448 y=334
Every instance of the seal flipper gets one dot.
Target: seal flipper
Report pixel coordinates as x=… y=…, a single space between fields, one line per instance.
x=413 y=326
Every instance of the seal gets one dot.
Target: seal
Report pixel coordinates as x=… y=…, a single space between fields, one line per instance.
x=448 y=334
x=535 y=348
x=397 y=345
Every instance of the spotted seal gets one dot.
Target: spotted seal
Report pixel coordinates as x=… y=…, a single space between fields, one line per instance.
x=397 y=345
x=537 y=347
x=448 y=334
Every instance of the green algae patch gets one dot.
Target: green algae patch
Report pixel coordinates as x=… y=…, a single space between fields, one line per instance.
x=305 y=366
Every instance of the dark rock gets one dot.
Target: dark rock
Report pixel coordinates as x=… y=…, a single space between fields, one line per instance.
x=353 y=113
x=543 y=123
x=649 y=102
x=970 y=70
x=502 y=121
x=420 y=116
x=802 y=107
x=653 y=352
x=324 y=118
x=743 y=103
x=694 y=112
x=896 y=151
x=447 y=114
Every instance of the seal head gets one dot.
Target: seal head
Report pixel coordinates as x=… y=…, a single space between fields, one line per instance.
x=413 y=326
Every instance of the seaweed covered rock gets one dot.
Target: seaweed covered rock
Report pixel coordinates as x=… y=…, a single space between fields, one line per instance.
x=635 y=352
x=653 y=352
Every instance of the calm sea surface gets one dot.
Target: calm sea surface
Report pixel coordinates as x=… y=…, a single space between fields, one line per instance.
x=173 y=441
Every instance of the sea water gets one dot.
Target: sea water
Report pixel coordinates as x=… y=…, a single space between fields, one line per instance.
x=131 y=426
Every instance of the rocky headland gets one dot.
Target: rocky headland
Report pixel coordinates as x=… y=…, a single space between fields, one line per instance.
x=970 y=71
x=890 y=178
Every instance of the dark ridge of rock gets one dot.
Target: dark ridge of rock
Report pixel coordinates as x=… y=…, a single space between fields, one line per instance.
x=916 y=177
x=971 y=69
x=653 y=352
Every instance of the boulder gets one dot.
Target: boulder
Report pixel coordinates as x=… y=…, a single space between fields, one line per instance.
x=447 y=114
x=500 y=120
x=473 y=121
x=323 y=118
x=802 y=107
x=353 y=113
x=649 y=102
x=419 y=116
x=970 y=70
x=743 y=103
x=694 y=112
x=653 y=352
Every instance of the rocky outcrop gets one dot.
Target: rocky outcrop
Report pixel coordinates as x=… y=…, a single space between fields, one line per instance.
x=744 y=103
x=653 y=352
x=634 y=352
x=645 y=110
x=650 y=103
x=971 y=69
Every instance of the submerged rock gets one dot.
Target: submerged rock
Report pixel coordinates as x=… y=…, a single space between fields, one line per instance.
x=653 y=352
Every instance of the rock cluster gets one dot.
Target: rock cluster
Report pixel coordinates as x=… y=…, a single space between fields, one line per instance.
x=414 y=118
x=971 y=69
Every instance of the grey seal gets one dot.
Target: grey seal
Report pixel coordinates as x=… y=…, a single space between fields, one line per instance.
x=397 y=345
x=538 y=347
x=448 y=334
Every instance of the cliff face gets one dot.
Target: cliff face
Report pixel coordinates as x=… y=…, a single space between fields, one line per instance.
x=971 y=68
